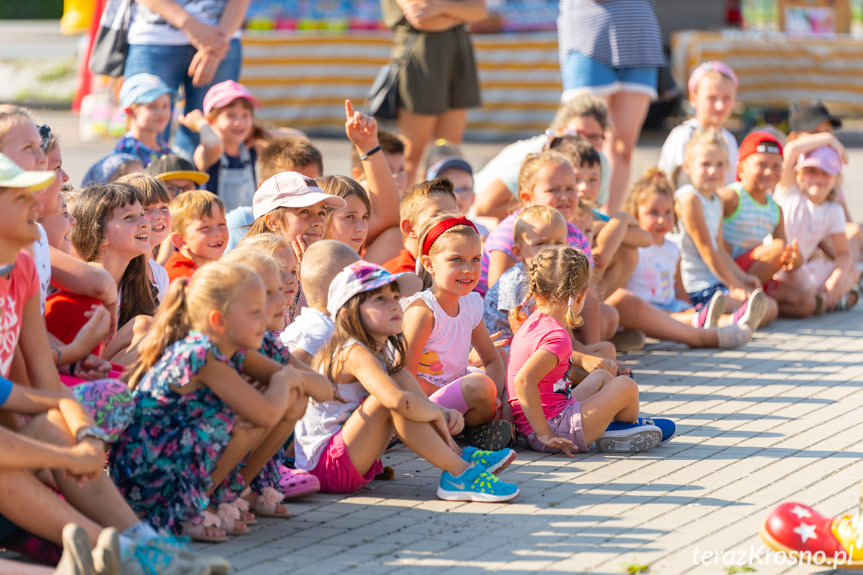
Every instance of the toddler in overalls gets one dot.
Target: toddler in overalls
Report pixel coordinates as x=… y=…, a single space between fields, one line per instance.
x=224 y=126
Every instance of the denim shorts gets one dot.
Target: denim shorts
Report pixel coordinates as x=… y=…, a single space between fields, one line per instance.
x=676 y=306
x=701 y=297
x=584 y=74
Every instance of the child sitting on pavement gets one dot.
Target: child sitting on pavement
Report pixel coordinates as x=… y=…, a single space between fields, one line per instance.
x=709 y=275
x=536 y=228
x=551 y=415
x=198 y=232
x=342 y=441
x=442 y=324
x=649 y=302
x=807 y=194
x=751 y=216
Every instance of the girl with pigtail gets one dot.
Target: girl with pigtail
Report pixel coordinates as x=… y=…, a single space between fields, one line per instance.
x=189 y=401
x=551 y=414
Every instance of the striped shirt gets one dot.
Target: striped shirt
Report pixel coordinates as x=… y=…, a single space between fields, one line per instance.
x=750 y=223
x=619 y=33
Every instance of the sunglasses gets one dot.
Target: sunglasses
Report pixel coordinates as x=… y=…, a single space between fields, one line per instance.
x=45 y=136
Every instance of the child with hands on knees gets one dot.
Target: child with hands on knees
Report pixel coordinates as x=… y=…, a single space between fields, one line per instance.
x=551 y=414
x=147 y=101
x=814 y=219
x=751 y=216
x=442 y=324
x=712 y=93
x=196 y=417
x=224 y=126
x=198 y=232
x=342 y=441
x=714 y=282
x=649 y=301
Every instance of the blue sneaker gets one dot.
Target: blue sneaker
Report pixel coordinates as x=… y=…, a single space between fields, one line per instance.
x=666 y=426
x=493 y=461
x=622 y=437
x=475 y=484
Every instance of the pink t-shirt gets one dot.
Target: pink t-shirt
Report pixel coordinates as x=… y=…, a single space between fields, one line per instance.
x=21 y=285
x=540 y=331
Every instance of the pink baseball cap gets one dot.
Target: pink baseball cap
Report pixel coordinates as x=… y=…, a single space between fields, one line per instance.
x=223 y=93
x=291 y=190
x=825 y=158
x=712 y=66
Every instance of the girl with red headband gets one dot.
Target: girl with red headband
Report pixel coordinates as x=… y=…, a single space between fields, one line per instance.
x=443 y=322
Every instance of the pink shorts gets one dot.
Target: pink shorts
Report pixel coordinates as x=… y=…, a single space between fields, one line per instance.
x=451 y=397
x=566 y=424
x=337 y=472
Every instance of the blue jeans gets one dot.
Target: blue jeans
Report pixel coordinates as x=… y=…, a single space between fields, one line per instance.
x=171 y=64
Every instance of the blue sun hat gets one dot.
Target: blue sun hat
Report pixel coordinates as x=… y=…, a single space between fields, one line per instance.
x=142 y=89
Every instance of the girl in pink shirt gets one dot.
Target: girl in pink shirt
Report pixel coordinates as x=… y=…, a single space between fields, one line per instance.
x=552 y=413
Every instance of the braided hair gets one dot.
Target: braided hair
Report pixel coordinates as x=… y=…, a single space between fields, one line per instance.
x=558 y=274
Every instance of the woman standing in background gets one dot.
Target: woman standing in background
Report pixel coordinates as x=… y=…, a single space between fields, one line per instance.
x=612 y=49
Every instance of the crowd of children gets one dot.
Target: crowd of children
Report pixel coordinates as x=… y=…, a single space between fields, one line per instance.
x=273 y=334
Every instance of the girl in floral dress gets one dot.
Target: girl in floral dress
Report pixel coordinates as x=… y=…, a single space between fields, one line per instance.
x=189 y=397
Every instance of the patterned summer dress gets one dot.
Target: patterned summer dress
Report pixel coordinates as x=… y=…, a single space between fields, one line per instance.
x=163 y=462
x=269 y=475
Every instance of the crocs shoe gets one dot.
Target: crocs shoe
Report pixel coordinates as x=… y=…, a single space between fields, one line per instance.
x=709 y=313
x=800 y=530
x=493 y=461
x=475 y=484
x=491 y=436
x=752 y=311
x=627 y=340
x=629 y=437
x=297 y=483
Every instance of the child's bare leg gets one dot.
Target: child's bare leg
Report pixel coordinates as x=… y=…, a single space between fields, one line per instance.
x=266 y=449
x=767 y=260
x=480 y=395
x=795 y=298
x=244 y=437
x=620 y=269
x=635 y=313
x=604 y=349
x=23 y=493
x=425 y=441
x=616 y=401
x=609 y=321
x=366 y=433
x=99 y=498
x=855 y=241
x=590 y=385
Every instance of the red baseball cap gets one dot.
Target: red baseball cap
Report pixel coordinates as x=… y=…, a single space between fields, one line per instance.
x=759 y=142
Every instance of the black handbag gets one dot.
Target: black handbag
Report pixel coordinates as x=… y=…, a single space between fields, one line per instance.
x=111 y=44
x=382 y=101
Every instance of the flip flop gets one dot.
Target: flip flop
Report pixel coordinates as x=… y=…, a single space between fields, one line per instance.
x=297 y=483
x=802 y=532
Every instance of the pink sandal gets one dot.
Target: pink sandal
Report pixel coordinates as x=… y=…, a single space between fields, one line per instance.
x=297 y=483
x=267 y=504
x=196 y=532
x=229 y=516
